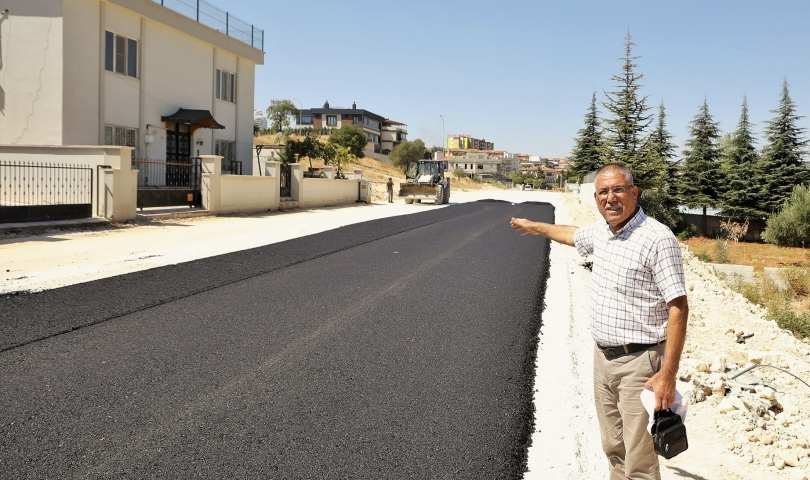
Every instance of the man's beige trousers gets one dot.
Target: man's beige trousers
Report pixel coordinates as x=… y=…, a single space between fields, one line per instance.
x=617 y=384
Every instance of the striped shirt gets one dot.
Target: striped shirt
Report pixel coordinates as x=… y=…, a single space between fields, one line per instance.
x=636 y=272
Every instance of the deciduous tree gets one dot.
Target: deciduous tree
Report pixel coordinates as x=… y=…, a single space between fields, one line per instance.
x=350 y=137
x=407 y=152
x=279 y=113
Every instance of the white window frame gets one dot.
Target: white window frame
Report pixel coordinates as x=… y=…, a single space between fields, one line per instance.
x=123 y=137
x=120 y=58
x=225 y=85
x=227 y=150
x=333 y=119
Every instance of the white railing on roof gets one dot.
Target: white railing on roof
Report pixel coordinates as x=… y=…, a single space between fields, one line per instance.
x=219 y=20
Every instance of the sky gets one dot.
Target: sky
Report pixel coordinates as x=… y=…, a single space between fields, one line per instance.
x=521 y=73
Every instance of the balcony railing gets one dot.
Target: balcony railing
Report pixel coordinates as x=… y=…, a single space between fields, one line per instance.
x=219 y=20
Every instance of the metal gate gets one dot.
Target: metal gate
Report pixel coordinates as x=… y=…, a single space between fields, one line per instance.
x=285 y=180
x=35 y=192
x=167 y=184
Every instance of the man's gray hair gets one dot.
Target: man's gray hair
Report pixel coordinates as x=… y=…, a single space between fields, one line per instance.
x=617 y=168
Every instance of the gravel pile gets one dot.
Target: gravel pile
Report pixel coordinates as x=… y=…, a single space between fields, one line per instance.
x=761 y=416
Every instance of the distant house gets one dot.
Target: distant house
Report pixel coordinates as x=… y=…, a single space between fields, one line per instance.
x=467 y=142
x=392 y=134
x=383 y=134
x=131 y=73
x=483 y=165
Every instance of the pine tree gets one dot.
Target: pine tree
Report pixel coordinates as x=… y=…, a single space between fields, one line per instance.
x=701 y=176
x=781 y=166
x=627 y=142
x=741 y=196
x=625 y=136
x=589 y=145
x=661 y=140
x=660 y=200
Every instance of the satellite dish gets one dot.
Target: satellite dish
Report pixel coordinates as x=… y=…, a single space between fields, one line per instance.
x=277 y=137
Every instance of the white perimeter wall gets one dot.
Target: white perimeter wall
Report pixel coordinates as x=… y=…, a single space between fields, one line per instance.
x=241 y=193
x=114 y=189
x=322 y=192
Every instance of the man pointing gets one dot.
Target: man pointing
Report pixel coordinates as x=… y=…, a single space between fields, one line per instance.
x=638 y=316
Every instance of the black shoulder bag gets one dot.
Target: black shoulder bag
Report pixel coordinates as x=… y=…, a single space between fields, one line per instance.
x=669 y=433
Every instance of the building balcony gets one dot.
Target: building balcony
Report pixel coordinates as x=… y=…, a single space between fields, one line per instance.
x=220 y=20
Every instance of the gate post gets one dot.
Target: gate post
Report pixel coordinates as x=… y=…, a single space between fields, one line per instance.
x=211 y=185
x=296 y=182
x=119 y=186
x=273 y=169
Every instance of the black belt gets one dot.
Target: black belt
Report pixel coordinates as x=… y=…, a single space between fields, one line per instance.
x=612 y=352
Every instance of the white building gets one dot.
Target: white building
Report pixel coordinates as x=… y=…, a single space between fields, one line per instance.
x=126 y=72
x=484 y=166
x=259 y=119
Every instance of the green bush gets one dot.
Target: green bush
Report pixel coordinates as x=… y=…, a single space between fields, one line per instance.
x=797 y=323
x=704 y=257
x=750 y=291
x=791 y=225
x=721 y=251
x=763 y=291
x=797 y=280
x=689 y=231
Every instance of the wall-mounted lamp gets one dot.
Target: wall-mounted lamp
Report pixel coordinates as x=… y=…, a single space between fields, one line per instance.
x=4 y=12
x=200 y=142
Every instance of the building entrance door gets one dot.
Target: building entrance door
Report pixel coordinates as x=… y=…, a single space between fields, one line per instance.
x=175 y=181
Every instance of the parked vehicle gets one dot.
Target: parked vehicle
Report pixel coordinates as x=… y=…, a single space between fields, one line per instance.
x=425 y=180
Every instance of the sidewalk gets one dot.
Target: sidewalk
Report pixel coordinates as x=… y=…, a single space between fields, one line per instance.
x=76 y=223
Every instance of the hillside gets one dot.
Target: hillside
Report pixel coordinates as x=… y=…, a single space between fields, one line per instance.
x=378 y=170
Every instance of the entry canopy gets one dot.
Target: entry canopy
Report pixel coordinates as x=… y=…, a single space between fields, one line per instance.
x=196 y=118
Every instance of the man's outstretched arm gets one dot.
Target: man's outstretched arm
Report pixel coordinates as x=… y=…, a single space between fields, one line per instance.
x=559 y=233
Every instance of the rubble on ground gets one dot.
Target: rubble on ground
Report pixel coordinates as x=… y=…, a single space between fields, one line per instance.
x=763 y=415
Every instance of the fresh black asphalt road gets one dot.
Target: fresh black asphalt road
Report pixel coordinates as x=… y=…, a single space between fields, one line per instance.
x=397 y=348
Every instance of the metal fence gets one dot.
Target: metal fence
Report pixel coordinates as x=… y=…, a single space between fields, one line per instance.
x=231 y=167
x=163 y=174
x=31 y=184
x=219 y=20
x=44 y=191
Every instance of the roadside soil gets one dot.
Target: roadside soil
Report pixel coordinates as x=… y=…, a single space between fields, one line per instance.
x=757 y=255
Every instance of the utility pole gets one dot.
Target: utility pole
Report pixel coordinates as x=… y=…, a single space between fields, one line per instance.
x=444 y=139
x=299 y=110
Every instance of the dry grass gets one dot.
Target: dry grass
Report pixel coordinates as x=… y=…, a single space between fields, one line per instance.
x=788 y=307
x=758 y=255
